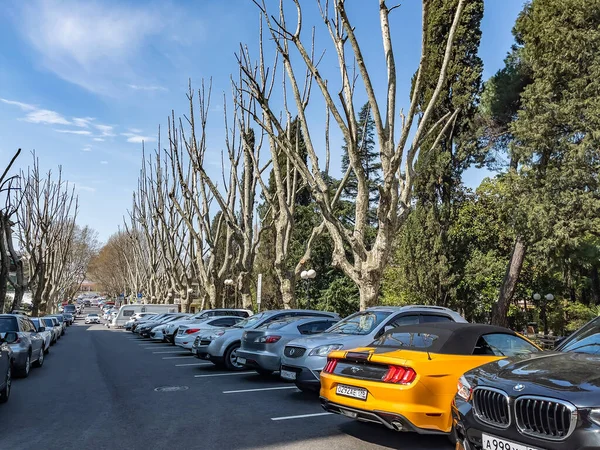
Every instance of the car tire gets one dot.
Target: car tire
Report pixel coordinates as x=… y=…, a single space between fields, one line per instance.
x=173 y=336
x=230 y=357
x=23 y=372
x=264 y=372
x=5 y=393
x=47 y=350
x=40 y=360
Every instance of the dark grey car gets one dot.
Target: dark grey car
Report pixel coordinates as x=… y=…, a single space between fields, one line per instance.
x=262 y=347
x=5 y=365
x=27 y=345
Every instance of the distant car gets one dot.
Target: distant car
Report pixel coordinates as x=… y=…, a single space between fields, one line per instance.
x=69 y=318
x=6 y=365
x=304 y=358
x=136 y=317
x=26 y=343
x=47 y=333
x=92 y=318
x=156 y=329
x=262 y=347
x=52 y=323
x=187 y=333
x=548 y=400
x=87 y=303
x=71 y=309
x=62 y=321
x=171 y=329
x=221 y=346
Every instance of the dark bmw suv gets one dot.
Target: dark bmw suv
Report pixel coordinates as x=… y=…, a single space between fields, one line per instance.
x=548 y=400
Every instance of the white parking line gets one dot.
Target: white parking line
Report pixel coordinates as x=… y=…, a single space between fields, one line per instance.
x=261 y=389
x=224 y=374
x=302 y=416
x=194 y=364
x=172 y=351
x=178 y=357
x=158 y=346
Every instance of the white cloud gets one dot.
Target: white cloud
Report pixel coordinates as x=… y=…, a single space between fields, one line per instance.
x=106 y=130
x=37 y=115
x=138 y=87
x=79 y=132
x=91 y=44
x=133 y=130
x=87 y=149
x=81 y=187
x=47 y=117
x=97 y=139
x=83 y=122
x=136 y=138
x=23 y=106
x=103 y=162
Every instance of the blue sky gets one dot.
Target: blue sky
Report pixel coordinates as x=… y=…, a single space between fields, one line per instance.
x=83 y=83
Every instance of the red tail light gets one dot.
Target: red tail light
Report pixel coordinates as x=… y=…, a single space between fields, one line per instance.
x=192 y=330
x=400 y=375
x=267 y=339
x=330 y=366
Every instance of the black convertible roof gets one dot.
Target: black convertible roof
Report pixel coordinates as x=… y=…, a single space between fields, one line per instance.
x=452 y=338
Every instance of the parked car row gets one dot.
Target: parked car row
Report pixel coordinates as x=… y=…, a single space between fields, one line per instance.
x=24 y=342
x=413 y=369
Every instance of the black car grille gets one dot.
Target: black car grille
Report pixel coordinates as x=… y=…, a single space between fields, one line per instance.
x=294 y=352
x=205 y=341
x=544 y=417
x=491 y=407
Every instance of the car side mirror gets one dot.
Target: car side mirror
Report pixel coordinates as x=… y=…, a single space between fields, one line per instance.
x=40 y=329
x=10 y=337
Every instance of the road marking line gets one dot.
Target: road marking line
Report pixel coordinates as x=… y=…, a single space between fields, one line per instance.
x=161 y=353
x=302 y=416
x=178 y=357
x=261 y=389
x=223 y=374
x=158 y=346
x=195 y=364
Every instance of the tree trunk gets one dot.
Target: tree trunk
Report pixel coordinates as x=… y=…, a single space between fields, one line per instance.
x=595 y=285
x=4 y=264
x=509 y=284
x=369 y=293
x=212 y=295
x=245 y=288
x=287 y=293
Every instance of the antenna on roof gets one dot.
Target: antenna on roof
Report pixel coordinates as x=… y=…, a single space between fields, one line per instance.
x=428 y=355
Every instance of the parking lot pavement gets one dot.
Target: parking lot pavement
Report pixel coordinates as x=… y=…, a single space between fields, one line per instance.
x=107 y=389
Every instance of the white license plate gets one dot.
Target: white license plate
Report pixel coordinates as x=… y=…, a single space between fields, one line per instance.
x=349 y=391
x=241 y=360
x=495 y=443
x=288 y=375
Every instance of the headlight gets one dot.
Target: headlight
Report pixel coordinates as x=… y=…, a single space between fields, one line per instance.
x=594 y=415
x=324 y=350
x=464 y=389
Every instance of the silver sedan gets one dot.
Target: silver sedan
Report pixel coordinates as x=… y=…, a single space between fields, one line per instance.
x=262 y=348
x=187 y=333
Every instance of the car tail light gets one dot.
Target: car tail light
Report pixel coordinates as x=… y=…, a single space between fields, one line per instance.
x=400 y=375
x=330 y=366
x=267 y=339
x=192 y=330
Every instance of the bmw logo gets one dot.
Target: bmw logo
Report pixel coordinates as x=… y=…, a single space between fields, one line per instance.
x=292 y=351
x=519 y=387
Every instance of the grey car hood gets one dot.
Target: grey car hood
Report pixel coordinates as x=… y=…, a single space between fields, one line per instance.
x=347 y=340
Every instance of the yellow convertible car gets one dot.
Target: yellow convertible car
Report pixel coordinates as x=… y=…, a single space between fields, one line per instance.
x=407 y=379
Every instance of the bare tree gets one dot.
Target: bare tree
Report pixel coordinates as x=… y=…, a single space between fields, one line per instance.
x=362 y=261
x=45 y=227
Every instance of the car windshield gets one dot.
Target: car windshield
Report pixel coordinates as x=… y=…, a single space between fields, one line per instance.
x=36 y=322
x=586 y=340
x=8 y=324
x=412 y=340
x=251 y=321
x=48 y=322
x=361 y=323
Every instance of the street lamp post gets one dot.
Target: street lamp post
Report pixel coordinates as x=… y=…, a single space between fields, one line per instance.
x=308 y=275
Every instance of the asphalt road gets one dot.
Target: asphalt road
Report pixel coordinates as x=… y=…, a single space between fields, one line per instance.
x=97 y=390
